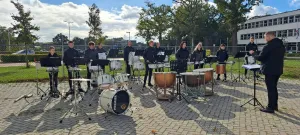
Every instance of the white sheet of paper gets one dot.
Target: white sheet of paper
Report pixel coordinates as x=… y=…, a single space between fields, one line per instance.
x=255 y=66
x=102 y=56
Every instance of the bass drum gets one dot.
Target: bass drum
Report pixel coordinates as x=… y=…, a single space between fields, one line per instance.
x=115 y=101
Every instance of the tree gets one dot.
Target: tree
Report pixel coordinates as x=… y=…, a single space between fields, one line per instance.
x=154 y=21
x=78 y=41
x=23 y=27
x=6 y=37
x=60 y=39
x=94 y=22
x=234 y=12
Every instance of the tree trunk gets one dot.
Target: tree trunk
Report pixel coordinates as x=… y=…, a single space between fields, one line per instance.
x=234 y=43
x=160 y=37
x=26 y=56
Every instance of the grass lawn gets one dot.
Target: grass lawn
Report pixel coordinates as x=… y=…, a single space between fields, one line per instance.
x=21 y=74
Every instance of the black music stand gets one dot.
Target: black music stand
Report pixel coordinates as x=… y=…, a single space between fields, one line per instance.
x=139 y=53
x=253 y=68
x=211 y=60
x=178 y=66
x=51 y=62
x=168 y=52
x=113 y=53
x=239 y=55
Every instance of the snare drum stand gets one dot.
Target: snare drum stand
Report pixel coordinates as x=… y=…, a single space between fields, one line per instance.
x=178 y=87
x=75 y=104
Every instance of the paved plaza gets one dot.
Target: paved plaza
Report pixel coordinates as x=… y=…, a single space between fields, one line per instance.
x=217 y=114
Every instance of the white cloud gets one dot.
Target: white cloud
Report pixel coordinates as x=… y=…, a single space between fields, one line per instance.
x=262 y=10
x=51 y=18
x=294 y=3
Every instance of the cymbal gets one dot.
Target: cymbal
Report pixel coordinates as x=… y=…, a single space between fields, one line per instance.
x=81 y=79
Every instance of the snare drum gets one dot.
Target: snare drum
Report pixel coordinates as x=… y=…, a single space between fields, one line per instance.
x=138 y=66
x=115 y=101
x=52 y=69
x=115 y=65
x=167 y=65
x=94 y=68
x=105 y=80
x=208 y=73
x=193 y=79
x=160 y=65
x=122 y=78
x=221 y=69
x=153 y=66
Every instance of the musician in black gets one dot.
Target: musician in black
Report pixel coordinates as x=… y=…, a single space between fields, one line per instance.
x=251 y=49
x=53 y=93
x=90 y=54
x=127 y=50
x=222 y=56
x=198 y=55
x=100 y=49
x=68 y=59
x=182 y=53
x=149 y=57
x=272 y=59
x=159 y=56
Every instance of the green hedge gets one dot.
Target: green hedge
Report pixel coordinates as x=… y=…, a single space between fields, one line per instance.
x=9 y=58
x=292 y=54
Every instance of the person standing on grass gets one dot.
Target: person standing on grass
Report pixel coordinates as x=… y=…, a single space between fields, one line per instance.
x=251 y=49
x=100 y=49
x=272 y=59
x=149 y=58
x=127 y=50
x=53 y=91
x=222 y=56
x=90 y=54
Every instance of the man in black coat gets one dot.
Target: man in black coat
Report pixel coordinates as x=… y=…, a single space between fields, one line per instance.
x=90 y=54
x=272 y=59
x=149 y=57
x=100 y=49
x=251 y=49
x=126 y=52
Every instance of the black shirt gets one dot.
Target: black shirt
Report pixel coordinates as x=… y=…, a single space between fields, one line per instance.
x=222 y=55
x=126 y=52
x=100 y=50
x=149 y=54
x=272 y=57
x=159 y=58
x=90 y=54
x=69 y=55
x=51 y=56
x=198 y=55
x=182 y=54
x=251 y=46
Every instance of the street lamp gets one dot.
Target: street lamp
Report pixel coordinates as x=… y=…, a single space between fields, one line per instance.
x=69 y=29
x=128 y=37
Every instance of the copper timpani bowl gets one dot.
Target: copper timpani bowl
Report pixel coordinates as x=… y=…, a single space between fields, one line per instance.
x=164 y=79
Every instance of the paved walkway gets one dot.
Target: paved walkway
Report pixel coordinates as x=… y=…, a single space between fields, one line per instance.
x=217 y=114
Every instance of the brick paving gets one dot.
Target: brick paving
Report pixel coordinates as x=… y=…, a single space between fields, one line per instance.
x=217 y=114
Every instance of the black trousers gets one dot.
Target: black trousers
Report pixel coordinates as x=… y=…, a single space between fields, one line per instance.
x=103 y=69
x=246 y=71
x=55 y=75
x=196 y=66
x=159 y=70
x=89 y=76
x=70 y=75
x=147 y=73
x=271 y=82
x=225 y=76
x=127 y=67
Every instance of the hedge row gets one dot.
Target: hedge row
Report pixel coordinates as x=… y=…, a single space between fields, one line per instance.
x=9 y=58
x=292 y=54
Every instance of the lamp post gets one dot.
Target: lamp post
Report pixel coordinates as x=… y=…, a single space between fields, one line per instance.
x=128 y=37
x=69 y=29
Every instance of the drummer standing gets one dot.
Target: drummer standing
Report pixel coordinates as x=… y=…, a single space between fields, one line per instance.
x=159 y=51
x=100 y=49
x=127 y=50
x=198 y=55
x=182 y=56
x=149 y=57
x=251 y=49
x=90 y=54
x=222 y=56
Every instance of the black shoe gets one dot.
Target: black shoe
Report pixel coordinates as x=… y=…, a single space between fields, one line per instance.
x=150 y=85
x=276 y=108
x=267 y=110
x=81 y=90
x=70 y=92
x=144 y=85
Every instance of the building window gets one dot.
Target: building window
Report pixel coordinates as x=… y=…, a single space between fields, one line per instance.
x=249 y=25
x=295 y=32
x=246 y=26
x=261 y=24
x=285 y=20
x=275 y=21
x=297 y=18
x=253 y=25
x=266 y=23
x=256 y=36
x=291 y=19
x=284 y=33
x=290 y=33
x=270 y=22
x=257 y=24
x=279 y=34
x=260 y=36
x=279 y=20
x=242 y=36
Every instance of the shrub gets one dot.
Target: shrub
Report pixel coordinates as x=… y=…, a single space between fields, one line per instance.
x=9 y=58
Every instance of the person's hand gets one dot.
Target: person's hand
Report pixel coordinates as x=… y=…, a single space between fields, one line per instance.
x=251 y=51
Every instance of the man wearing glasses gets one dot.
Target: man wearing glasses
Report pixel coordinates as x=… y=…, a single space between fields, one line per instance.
x=90 y=54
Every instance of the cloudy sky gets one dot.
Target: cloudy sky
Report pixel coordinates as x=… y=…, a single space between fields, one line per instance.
x=118 y=16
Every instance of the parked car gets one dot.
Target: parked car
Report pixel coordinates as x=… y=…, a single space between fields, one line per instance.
x=23 y=52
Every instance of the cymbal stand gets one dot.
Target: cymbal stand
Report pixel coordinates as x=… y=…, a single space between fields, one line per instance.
x=76 y=106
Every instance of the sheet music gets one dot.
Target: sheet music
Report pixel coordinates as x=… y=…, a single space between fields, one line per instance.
x=255 y=66
x=102 y=56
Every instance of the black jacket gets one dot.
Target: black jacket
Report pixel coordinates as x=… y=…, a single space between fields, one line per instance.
x=222 y=55
x=182 y=54
x=100 y=50
x=149 y=55
x=126 y=52
x=90 y=54
x=69 y=55
x=251 y=46
x=198 y=55
x=159 y=57
x=54 y=55
x=272 y=57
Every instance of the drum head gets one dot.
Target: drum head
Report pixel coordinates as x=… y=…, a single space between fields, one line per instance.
x=120 y=102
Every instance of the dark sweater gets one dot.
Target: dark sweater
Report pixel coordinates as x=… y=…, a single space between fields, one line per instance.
x=182 y=54
x=149 y=54
x=222 y=55
x=127 y=50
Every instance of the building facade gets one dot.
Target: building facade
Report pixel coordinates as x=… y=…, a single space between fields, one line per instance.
x=286 y=25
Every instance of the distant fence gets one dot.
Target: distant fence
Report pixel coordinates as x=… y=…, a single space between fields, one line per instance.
x=16 y=53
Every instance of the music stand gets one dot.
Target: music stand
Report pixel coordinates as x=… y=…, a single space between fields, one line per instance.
x=113 y=53
x=253 y=68
x=139 y=53
x=174 y=66
x=239 y=55
x=210 y=60
x=168 y=52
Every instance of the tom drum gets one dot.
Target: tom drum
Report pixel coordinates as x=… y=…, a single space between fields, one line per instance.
x=221 y=68
x=208 y=73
